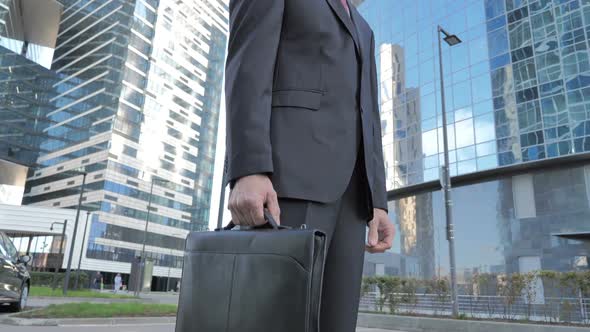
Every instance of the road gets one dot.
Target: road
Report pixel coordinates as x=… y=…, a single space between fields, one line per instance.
x=112 y=328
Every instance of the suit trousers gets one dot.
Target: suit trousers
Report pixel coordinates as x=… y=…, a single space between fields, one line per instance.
x=344 y=222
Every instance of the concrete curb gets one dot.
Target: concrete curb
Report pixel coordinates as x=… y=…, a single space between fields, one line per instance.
x=11 y=319
x=15 y=321
x=424 y=324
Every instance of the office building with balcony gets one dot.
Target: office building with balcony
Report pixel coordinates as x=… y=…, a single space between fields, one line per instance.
x=135 y=107
x=518 y=104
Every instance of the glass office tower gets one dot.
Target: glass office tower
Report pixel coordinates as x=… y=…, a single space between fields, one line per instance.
x=518 y=104
x=137 y=109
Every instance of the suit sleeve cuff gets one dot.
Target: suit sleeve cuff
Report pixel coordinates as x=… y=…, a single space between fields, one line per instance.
x=253 y=164
x=380 y=201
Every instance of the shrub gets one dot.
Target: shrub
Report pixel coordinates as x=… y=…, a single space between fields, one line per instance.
x=507 y=294
x=551 y=289
x=387 y=286
x=441 y=288
x=487 y=284
x=409 y=290
x=569 y=284
x=584 y=282
x=511 y=289
x=46 y=279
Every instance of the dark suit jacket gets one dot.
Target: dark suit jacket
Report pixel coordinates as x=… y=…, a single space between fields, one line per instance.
x=298 y=72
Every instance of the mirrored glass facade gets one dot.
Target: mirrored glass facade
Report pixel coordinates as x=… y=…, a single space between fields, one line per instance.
x=500 y=226
x=26 y=85
x=26 y=89
x=517 y=87
x=22 y=32
x=137 y=108
x=517 y=91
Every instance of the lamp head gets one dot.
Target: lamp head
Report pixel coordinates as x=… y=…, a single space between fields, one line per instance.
x=452 y=40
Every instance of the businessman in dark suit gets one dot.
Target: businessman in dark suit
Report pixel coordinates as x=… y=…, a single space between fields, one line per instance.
x=304 y=135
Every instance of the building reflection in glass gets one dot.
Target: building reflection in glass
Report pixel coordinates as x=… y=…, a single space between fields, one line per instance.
x=401 y=113
x=518 y=91
x=26 y=90
x=535 y=221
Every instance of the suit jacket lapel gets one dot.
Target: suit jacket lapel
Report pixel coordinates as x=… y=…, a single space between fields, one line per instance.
x=356 y=17
x=345 y=19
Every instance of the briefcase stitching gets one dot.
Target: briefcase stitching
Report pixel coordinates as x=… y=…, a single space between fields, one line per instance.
x=231 y=292
x=247 y=254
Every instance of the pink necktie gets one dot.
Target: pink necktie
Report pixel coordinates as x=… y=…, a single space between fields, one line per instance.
x=345 y=4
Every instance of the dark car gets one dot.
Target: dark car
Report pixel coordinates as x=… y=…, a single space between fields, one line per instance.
x=15 y=280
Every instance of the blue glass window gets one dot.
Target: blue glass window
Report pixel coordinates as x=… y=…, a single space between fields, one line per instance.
x=552 y=150
x=482 y=88
x=498 y=42
x=494 y=8
x=518 y=15
x=582 y=144
x=533 y=153
x=500 y=61
x=522 y=53
x=475 y=14
x=527 y=95
x=533 y=138
x=513 y=4
x=496 y=23
x=506 y=158
x=577 y=82
x=485 y=149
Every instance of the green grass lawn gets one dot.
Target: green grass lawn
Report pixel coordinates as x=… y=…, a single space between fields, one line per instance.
x=102 y=310
x=47 y=291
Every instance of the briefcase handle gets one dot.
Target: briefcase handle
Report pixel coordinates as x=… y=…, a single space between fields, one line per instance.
x=270 y=223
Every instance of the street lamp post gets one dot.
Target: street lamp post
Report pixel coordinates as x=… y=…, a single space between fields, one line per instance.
x=170 y=266
x=61 y=245
x=81 y=251
x=73 y=241
x=169 y=272
x=451 y=40
x=142 y=257
x=71 y=255
x=168 y=280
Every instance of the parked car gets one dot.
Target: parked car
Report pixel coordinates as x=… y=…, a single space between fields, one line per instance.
x=15 y=280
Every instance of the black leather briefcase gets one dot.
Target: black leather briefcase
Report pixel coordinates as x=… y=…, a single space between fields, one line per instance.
x=265 y=279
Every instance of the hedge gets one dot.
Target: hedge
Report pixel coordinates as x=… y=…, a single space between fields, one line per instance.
x=46 y=279
x=393 y=292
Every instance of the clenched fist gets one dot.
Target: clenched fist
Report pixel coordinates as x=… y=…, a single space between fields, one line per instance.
x=381 y=233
